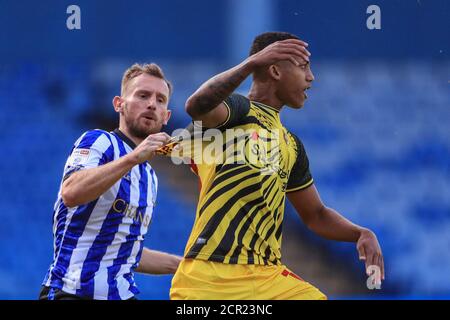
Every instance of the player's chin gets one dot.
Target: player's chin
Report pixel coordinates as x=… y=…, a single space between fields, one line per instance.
x=150 y=126
x=143 y=131
x=297 y=100
x=298 y=104
x=155 y=128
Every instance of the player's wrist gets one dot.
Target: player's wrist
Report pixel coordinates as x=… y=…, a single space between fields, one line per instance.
x=249 y=65
x=365 y=233
x=132 y=159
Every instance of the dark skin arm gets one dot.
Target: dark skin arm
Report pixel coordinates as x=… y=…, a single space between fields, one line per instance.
x=206 y=104
x=329 y=224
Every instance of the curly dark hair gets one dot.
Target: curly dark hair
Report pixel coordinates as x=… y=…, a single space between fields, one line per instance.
x=267 y=38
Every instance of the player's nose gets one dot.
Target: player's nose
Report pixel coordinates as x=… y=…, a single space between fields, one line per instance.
x=151 y=102
x=310 y=76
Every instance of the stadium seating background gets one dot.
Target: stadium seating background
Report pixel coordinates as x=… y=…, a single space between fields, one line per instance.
x=375 y=125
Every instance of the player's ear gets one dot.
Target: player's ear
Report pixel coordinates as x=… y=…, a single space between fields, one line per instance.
x=167 y=116
x=275 y=72
x=117 y=103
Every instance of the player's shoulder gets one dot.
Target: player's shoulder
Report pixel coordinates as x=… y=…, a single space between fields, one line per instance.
x=238 y=108
x=96 y=133
x=94 y=136
x=237 y=101
x=292 y=136
x=295 y=140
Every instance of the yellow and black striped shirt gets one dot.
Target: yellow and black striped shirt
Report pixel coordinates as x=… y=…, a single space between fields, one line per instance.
x=241 y=204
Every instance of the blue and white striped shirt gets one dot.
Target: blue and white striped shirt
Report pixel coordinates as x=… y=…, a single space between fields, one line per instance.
x=97 y=245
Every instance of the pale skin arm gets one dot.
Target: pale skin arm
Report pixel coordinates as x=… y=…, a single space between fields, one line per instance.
x=329 y=224
x=86 y=185
x=206 y=104
x=157 y=262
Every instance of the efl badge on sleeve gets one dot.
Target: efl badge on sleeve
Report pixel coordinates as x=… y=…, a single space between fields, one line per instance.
x=79 y=157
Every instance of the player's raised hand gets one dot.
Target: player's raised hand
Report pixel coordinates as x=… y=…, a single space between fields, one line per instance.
x=369 y=250
x=146 y=149
x=290 y=49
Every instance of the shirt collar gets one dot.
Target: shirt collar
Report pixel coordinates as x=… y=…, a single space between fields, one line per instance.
x=259 y=104
x=125 y=139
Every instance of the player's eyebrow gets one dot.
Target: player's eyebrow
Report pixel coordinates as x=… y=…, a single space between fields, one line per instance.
x=143 y=91
x=158 y=94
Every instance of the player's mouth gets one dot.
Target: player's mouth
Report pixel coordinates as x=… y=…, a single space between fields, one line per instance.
x=148 y=117
x=304 y=92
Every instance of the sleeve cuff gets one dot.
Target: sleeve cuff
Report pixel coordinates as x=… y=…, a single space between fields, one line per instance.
x=228 y=117
x=304 y=186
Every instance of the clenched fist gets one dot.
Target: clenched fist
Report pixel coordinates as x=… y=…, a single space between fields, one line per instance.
x=146 y=149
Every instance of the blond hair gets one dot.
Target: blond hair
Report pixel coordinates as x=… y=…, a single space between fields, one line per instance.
x=137 y=69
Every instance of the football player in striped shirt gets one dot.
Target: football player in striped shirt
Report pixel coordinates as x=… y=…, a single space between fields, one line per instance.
x=234 y=250
x=107 y=196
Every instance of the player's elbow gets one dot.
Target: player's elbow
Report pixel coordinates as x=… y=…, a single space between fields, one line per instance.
x=68 y=198
x=192 y=107
x=313 y=219
x=69 y=195
x=189 y=106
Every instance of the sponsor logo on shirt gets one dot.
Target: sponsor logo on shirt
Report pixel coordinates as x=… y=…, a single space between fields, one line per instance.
x=136 y=213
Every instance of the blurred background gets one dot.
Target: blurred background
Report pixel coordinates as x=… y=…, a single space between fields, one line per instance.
x=375 y=126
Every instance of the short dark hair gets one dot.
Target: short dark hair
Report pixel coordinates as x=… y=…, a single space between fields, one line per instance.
x=267 y=38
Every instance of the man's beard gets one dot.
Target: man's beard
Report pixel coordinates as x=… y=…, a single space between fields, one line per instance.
x=137 y=130
x=140 y=131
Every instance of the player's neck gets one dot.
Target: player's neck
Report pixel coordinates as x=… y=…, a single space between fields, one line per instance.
x=127 y=133
x=265 y=94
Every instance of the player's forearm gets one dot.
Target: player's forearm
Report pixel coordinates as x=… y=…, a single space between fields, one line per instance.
x=89 y=184
x=331 y=225
x=157 y=262
x=217 y=89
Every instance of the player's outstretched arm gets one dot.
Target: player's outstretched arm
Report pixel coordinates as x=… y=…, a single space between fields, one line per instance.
x=329 y=224
x=206 y=103
x=86 y=185
x=157 y=262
